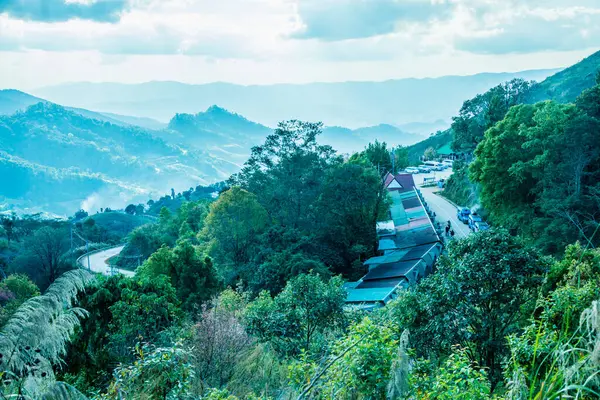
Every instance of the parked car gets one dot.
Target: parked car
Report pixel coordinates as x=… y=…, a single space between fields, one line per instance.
x=463 y=215
x=434 y=165
x=481 y=226
x=424 y=169
x=474 y=219
x=448 y=163
x=412 y=170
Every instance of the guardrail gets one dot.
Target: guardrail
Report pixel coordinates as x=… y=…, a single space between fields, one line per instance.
x=81 y=263
x=89 y=253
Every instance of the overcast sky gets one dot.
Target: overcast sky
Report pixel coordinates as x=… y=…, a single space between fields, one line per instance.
x=45 y=42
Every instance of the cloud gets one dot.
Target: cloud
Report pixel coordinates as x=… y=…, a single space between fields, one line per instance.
x=522 y=30
x=63 y=10
x=332 y=20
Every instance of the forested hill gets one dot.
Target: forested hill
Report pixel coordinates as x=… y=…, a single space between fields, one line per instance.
x=566 y=85
x=49 y=146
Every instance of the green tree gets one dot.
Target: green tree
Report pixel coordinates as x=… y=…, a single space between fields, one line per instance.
x=352 y=200
x=378 y=155
x=484 y=110
x=157 y=373
x=537 y=173
x=233 y=226
x=42 y=256
x=14 y=291
x=285 y=173
x=457 y=378
x=430 y=153
x=121 y=311
x=359 y=365
x=130 y=209
x=475 y=298
x=192 y=275
x=307 y=307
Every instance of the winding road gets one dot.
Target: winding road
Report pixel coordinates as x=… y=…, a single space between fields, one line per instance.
x=98 y=262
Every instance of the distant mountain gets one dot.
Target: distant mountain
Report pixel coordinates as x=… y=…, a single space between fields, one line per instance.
x=425 y=128
x=566 y=85
x=348 y=140
x=143 y=122
x=12 y=100
x=49 y=146
x=352 y=104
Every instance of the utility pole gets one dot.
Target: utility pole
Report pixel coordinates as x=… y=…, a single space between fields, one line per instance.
x=394 y=161
x=87 y=250
x=72 y=255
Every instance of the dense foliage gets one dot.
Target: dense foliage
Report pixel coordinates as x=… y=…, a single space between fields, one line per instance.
x=538 y=171
x=243 y=296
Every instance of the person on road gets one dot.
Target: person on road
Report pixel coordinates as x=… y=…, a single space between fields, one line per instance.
x=447 y=230
x=452 y=233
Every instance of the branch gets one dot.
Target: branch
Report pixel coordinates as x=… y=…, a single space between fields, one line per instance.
x=320 y=374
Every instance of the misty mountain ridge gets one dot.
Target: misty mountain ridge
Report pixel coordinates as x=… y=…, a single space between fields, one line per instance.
x=49 y=146
x=349 y=104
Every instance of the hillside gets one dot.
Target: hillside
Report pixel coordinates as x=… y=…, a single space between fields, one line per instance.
x=347 y=140
x=143 y=122
x=99 y=155
x=566 y=85
x=351 y=104
x=12 y=100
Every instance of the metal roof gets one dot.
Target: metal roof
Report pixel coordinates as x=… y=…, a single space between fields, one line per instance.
x=408 y=248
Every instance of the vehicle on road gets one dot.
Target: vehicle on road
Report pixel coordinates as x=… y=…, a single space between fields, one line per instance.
x=412 y=170
x=434 y=165
x=473 y=219
x=480 y=226
x=448 y=163
x=463 y=215
x=424 y=169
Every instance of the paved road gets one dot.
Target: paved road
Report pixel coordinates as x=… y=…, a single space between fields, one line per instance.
x=99 y=262
x=444 y=210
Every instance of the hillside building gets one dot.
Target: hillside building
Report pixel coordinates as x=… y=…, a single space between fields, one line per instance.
x=408 y=247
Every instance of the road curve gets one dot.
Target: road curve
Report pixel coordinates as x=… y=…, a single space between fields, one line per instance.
x=98 y=262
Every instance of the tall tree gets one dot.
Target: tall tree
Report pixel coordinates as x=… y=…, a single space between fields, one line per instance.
x=285 y=173
x=306 y=307
x=233 y=226
x=475 y=298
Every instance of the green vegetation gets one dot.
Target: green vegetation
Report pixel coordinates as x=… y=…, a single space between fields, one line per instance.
x=242 y=297
x=435 y=141
x=538 y=171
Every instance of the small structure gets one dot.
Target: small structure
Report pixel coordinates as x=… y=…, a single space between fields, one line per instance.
x=447 y=153
x=408 y=247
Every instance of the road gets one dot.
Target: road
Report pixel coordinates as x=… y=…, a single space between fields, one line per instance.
x=444 y=210
x=99 y=262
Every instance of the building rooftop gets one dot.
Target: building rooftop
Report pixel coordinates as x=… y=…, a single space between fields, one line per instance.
x=405 y=255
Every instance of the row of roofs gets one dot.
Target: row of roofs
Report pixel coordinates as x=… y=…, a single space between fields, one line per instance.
x=408 y=247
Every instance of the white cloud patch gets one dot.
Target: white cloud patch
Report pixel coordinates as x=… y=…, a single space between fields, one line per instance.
x=262 y=41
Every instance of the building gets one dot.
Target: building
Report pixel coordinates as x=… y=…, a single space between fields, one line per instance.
x=408 y=247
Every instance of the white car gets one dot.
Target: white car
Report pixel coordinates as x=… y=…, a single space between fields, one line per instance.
x=412 y=170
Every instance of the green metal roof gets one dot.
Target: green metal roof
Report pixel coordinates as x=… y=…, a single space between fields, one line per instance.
x=445 y=150
x=369 y=295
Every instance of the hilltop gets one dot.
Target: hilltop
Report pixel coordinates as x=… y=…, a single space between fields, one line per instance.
x=49 y=146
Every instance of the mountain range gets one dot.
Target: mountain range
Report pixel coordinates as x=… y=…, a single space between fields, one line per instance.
x=349 y=104
x=58 y=158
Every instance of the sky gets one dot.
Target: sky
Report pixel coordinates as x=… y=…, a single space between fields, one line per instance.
x=48 y=42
